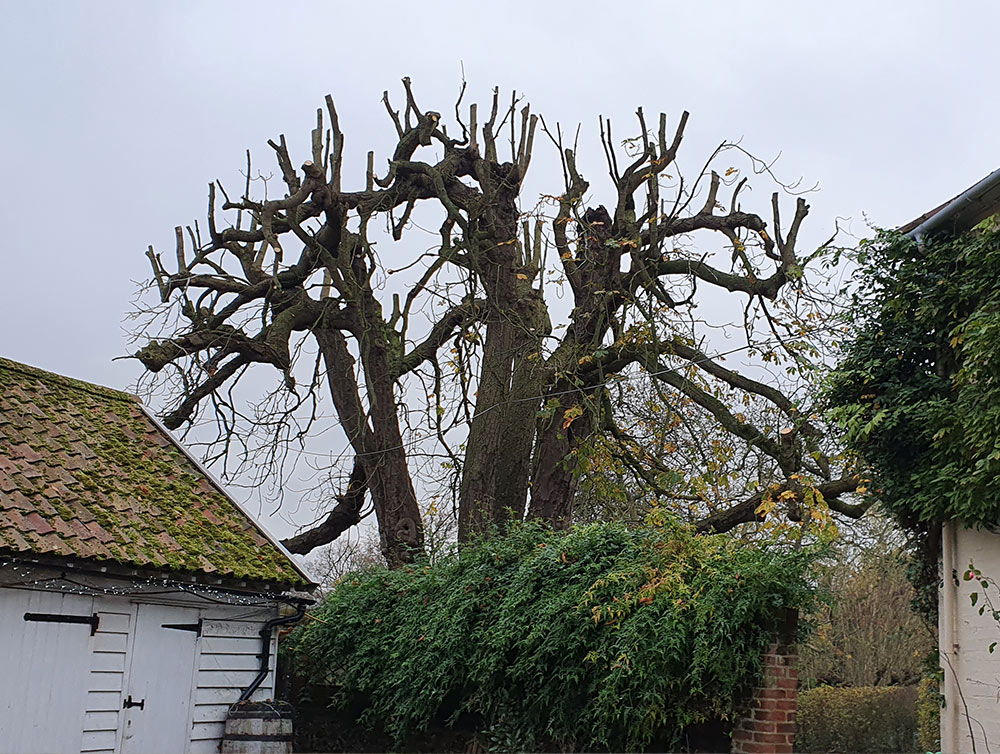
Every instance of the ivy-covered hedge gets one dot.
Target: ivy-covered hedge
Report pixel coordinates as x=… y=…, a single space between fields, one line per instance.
x=599 y=638
x=917 y=392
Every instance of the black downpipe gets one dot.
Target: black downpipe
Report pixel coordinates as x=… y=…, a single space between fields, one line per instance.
x=265 y=650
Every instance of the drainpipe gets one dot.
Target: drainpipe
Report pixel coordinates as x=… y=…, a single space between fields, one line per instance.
x=947 y=636
x=968 y=196
x=265 y=649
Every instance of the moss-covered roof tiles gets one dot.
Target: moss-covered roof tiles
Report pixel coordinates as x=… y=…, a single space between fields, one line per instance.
x=85 y=473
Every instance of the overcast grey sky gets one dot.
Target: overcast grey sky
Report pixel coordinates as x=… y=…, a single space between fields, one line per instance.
x=116 y=115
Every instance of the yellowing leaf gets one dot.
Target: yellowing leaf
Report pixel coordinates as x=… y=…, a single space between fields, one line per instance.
x=571 y=415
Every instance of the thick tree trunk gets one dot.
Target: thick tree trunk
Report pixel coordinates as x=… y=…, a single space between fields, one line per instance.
x=557 y=463
x=564 y=431
x=477 y=510
x=400 y=529
x=378 y=443
x=498 y=452
x=514 y=461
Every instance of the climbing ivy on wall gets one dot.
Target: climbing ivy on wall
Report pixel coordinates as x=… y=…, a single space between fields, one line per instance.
x=917 y=393
x=918 y=390
x=599 y=638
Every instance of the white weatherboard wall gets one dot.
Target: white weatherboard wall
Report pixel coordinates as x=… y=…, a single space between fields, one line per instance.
x=971 y=671
x=62 y=689
x=227 y=663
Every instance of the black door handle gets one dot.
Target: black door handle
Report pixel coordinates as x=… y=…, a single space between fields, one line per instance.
x=141 y=704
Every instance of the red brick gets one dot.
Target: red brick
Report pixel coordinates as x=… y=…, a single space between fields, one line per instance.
x=787 y=683
x=773 y=738
x=770 y=715
x=774 y=694
x=749 y=747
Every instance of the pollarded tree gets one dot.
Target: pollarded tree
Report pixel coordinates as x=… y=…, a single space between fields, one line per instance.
x=467 y=344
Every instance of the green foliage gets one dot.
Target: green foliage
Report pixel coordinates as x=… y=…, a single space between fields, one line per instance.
x=869 y=719
x=918 y=390
x=602 y=637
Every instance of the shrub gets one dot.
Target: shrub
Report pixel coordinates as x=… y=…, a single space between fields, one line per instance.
x=599 y=638
x=861 y=719
x=867 y=635
x=929 y=714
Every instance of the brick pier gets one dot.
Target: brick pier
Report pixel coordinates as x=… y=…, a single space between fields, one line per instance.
x=768 y=727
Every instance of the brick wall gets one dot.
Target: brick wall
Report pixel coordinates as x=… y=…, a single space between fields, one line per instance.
x=768 y=727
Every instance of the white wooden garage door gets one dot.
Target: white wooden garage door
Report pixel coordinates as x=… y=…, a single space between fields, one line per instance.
x=71 y=687
x=160 y=680
x=45 y=672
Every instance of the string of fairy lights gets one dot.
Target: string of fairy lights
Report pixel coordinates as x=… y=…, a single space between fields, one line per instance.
x=26 y=576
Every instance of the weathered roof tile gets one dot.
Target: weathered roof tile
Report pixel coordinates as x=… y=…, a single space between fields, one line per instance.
x=38 y=524
x=98 y=532
x=80 y=530
x=24 y=451
x=16 y=499
x=84 y=472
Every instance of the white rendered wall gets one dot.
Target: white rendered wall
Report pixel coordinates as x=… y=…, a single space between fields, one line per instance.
x=972 y=672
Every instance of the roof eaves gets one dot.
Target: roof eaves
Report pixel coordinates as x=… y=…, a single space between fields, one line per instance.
x=978 y=202
x=120 y=571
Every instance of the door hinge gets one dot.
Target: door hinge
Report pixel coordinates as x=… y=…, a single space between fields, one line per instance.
x=128 y=703
x=92 y=620
x=193 y=627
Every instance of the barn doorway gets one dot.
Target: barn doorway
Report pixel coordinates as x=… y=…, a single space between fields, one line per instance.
x=157 y=703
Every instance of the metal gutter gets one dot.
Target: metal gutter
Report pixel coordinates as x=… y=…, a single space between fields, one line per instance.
x=960 y=202
x=181 y=583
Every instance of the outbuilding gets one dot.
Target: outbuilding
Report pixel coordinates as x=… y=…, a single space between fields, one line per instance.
x=138 y=600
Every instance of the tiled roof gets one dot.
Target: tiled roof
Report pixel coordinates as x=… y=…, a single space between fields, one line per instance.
x=85 y=473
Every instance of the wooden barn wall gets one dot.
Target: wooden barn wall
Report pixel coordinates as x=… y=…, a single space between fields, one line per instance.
x=227 y=663
x=61 y=688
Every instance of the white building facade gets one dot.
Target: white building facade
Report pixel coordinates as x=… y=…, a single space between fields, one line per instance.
x=969 y=640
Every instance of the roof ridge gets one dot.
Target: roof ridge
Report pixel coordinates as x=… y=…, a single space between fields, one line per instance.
x=70 y=382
